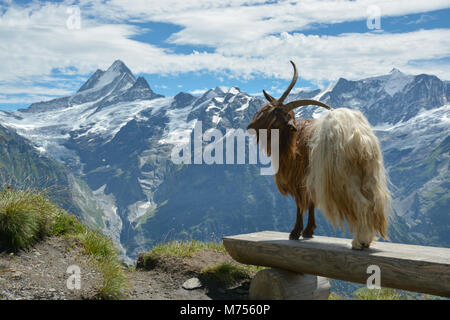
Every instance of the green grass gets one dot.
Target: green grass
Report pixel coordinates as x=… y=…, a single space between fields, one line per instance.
x=27 y=216
x=227 y=274
x=334 y=296
x=186 y=248
x=101 y=248
x=392 y=294
x=224 y=273
x=365 y=293
x=65 y=224
x=379 y=294
x=182 y=249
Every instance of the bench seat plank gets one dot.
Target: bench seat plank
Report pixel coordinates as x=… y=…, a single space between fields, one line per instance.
x=408 y=267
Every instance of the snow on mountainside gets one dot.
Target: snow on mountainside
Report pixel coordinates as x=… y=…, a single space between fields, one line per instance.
x=50 y=124
x=100 y=79
x=393 y=82
x=116 y=134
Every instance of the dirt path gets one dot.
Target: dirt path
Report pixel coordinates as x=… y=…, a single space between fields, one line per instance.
x=166 y=280
x=41 y=274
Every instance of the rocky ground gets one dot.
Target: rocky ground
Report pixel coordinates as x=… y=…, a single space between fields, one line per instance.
x=41 y=274
x=167 y=280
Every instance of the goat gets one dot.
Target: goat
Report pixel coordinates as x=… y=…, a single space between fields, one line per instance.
x=333 y=163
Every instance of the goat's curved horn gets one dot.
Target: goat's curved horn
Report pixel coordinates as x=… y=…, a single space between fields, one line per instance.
x=291 y=85
x=268 y=96
x=305 y=102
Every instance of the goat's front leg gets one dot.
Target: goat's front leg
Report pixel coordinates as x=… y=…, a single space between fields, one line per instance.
x=298 y=228
x=311 y=226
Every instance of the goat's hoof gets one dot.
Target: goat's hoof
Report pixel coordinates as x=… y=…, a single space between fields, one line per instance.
x=360 y=246
x=294 y=236
x=308 y=233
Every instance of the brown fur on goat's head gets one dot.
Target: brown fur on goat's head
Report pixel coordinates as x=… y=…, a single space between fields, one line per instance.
x=277 y=115
x=272 y=117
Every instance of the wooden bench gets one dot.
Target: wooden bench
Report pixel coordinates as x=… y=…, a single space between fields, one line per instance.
x=301 y=268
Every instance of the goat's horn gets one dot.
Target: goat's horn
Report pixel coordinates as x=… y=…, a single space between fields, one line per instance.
x=291 y=85
x=305 y=102
x=268 y=96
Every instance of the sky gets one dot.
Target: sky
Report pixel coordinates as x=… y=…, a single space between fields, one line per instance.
x=48 y=49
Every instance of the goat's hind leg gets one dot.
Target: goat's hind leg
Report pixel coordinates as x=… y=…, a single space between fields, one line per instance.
x=298 y=228
x=311 y=226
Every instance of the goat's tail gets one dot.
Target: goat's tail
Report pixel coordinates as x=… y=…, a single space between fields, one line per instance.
x=346 y=176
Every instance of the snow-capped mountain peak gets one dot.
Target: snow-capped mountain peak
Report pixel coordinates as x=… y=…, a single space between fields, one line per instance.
x=117 y=71
x=103 y=88
x=393 y=82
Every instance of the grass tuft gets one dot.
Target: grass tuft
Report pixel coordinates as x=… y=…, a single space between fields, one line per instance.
x=27 y=216
x=65 y=224
x=102 y=250
x=185 y=248
x=114 y=282
x=182 y=249
x=226 y=274
x=378 y=294
x=96 y=244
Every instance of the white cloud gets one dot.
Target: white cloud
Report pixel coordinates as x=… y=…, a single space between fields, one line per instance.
x=23 y=99
x=422 y=19
x=247 y=41
x=215 y=23
x=198 y=91
x=300 y=89
x=349 y=55
x=33 y=89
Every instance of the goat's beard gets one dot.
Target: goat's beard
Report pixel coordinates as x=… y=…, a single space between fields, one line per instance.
x=286 y=140
x=265 y=143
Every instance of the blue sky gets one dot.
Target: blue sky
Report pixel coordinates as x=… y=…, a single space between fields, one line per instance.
x=49 y=48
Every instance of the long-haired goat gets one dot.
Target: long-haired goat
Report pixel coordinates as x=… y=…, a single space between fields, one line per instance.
x=334 y=164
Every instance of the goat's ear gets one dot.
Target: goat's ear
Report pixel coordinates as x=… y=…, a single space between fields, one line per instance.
x=268 y=96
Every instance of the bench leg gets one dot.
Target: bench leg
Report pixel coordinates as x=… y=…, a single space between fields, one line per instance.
x=277 y=284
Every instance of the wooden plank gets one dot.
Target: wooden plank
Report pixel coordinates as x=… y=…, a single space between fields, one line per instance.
x=409 y=267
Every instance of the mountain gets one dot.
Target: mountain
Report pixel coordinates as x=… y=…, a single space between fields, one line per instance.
x=103 y=88
x=24 y=165
x=21 y=163
x=116 y=136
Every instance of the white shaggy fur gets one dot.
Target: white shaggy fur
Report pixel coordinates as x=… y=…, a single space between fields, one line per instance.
x=346 y=176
